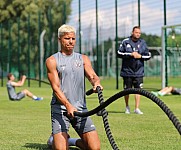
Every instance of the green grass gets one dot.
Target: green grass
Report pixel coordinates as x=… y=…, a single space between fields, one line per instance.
x=26 y=124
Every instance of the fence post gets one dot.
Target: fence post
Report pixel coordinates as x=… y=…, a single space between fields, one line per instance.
x=139 y=24
x=9 y=47
x=28 y=50
x=97 y=39
x=116 y=47
x=165 y=32
x=19 y=47
x=1 y=62
x=80 y=37
x=39 y=32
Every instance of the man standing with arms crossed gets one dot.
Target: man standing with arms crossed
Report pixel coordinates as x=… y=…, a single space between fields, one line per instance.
x=134 y=52
x=66 y=72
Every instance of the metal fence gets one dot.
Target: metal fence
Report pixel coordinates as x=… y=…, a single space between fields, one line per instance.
x=100 y=25
x=102 y=22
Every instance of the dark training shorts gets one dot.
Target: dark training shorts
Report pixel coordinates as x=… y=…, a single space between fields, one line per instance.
x=129 y=82
x=61 y=123
x=18 y=96
x=176 y=91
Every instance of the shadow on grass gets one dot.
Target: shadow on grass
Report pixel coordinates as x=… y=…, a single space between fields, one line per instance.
x=116 y=112
x=96 y=97
x=38 y=146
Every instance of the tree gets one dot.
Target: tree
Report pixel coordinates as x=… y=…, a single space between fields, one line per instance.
x=152 y=40
x=21 y=25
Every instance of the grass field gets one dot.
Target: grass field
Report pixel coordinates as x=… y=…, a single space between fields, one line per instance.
x=26 y=124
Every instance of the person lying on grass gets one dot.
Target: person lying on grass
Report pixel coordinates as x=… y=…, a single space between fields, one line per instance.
x=168 y=90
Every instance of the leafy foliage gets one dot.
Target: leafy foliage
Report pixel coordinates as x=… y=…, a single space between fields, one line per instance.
x=22 y=23
x=152 y=40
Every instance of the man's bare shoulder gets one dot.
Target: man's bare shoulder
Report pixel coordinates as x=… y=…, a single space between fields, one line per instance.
x=50 y=63
x=85 y=57
x=50 y=59
x=86 y=60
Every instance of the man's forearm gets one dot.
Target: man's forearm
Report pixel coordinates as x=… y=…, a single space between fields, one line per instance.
x=94 y=80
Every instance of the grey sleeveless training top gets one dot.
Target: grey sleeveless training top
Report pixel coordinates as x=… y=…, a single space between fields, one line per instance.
x=72 y=81
x=11 y=90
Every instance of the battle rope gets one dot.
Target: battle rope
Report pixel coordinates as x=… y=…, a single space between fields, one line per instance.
x=150 y=96
x=38 y=80
x=104 y=115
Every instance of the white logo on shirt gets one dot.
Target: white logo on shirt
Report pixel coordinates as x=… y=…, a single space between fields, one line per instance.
x=59 y=126
x=77 y=63
x=128 y=45
x=92 y=126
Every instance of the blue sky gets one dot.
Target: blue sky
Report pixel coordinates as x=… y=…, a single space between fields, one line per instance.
x=151 y=15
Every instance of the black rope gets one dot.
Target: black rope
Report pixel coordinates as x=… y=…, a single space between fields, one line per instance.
x=150 y=96
x=104 y=115
x=38 y=80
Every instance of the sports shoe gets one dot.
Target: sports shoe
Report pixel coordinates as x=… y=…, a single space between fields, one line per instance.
x=50 y=141
x=160 y=94
x=138 y=111
x=154 y=93
x=38 y=98
x=127 y=110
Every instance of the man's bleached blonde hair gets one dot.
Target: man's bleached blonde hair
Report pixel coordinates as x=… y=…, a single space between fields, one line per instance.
x=65 y=29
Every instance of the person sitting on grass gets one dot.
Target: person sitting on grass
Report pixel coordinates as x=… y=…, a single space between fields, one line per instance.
x=11 y=84
x=168 y=90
